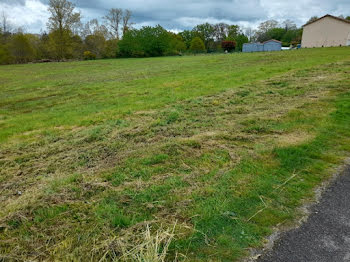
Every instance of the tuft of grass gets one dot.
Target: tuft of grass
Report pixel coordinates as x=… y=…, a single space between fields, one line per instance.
x=146 y=245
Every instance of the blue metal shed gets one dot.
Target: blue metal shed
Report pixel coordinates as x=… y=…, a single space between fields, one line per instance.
x=271 y=45
x=249 y=47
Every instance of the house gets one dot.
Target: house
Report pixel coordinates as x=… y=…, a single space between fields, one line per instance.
x=325 y=32
x=270 y=45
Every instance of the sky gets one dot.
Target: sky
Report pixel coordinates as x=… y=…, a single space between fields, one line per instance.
x=177 y=15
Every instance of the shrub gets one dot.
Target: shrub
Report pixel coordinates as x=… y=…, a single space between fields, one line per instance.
x=5 y=57
x=228 y=45
x=89 y=55
x=197 y=45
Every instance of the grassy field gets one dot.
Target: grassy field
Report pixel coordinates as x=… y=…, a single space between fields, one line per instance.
x=99 y=160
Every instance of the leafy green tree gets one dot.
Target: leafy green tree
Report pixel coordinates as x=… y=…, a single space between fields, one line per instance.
x=275 y=33
x=96 y=44
x=187 y=37
x=292 y=37
x=177 y=44
x=206 y=32
x=43 y=47
x=111 y=49
x=233 y=31
x=240 y=40
x=147 y=41
x=60 y=44
x=21 y=49
x=197 y=45
x=5 y=56
x=348 y=17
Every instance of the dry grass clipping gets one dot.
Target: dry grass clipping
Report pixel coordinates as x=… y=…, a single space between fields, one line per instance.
x=144 y=246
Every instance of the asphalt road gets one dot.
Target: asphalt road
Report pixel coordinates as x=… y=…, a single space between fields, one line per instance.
x=325 y=237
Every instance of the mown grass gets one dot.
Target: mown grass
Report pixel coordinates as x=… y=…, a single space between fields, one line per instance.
x=221 y=149
x=86 y=93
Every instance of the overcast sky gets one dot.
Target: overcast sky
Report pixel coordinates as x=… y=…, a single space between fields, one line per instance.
x=180 y=14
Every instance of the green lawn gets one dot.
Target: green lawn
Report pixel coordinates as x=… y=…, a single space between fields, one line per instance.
x=220 y=148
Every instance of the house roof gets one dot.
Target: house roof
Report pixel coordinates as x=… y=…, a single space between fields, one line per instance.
x=331 y=16
x=272 y=40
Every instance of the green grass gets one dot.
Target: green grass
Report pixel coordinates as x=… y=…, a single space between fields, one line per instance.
x=87 y=93
x=224 y=146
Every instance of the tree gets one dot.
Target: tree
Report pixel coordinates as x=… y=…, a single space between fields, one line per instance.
x=114 y=19
x=267 y=25
x=292 y=37
x=4 y=23
x=145 y=42
x=93 y=27
x=111 y=49
x=312 y=19
x=240 y=40
x=228 y=45
x=187 y=37
x=275 y=33
x=264 y=28
x=21 y=49
x=289 y=25
x=96 y=44
x=197 y=45
x=60 y=44
x=177 y=44
x=347 y=18
x=5 y=57
x=126 y=21
x=43 y=49
x=249 y=32
x=233 y=31
x=221 y=31
x=206 y=33
x=60 y=23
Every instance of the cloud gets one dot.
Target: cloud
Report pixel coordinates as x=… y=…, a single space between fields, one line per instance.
x=182 y=14
x=30 y=15
x=13 y=2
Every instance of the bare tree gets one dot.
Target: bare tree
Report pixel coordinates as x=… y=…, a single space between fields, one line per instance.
x=126 y=21
x=221 y=31
x=249 y=32
x=267 y=25
x=289 y=25
x=93 y=27
x=114 y=18
x=4 y=23
x=312 y=19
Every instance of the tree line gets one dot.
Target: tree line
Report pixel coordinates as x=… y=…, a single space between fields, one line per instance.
x=68 y=38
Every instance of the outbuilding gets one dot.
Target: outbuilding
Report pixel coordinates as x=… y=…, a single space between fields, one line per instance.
x=326 y=31
x=268 y=46
x=272 y=45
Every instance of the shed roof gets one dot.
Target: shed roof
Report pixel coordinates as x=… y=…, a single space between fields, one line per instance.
x=272 y=40
x=331 y=16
